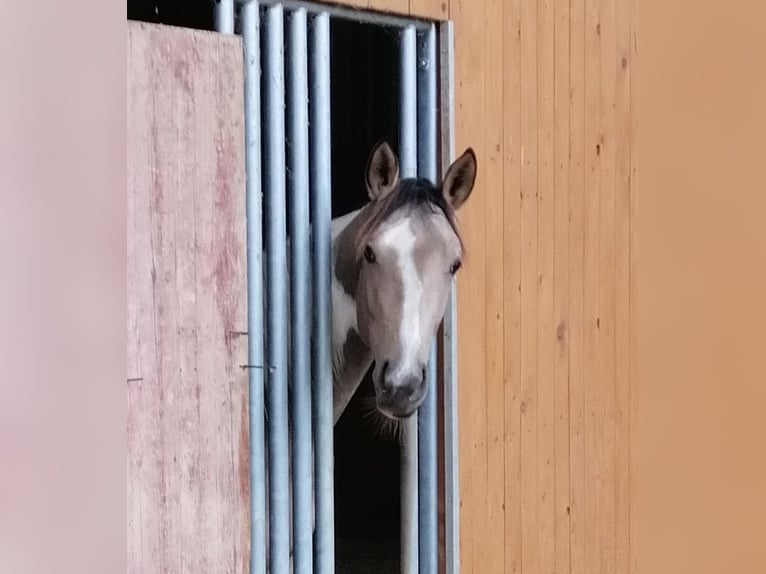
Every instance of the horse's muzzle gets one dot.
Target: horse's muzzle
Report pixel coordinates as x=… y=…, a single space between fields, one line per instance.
x=400 y=398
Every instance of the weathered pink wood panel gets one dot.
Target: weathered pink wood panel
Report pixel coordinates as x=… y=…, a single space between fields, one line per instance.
x=187 y=498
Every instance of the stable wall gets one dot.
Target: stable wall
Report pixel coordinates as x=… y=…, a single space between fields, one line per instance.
x=547 y=298
x=544 y=92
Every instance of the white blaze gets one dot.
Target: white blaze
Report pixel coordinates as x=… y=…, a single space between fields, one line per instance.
x=400 y=240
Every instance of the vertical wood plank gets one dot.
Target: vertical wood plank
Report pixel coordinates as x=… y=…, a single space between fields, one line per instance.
x=529 y=317
x=145 y=544
x=512 y=280
x=187 y=445
x=592 y=463
x=546 y=339
x=633 y=356
x=606 y=451
x=621 y=65
x=577 y=196
x=470 y=123
x=494 y=534
x=607 y=274
x=561 y=284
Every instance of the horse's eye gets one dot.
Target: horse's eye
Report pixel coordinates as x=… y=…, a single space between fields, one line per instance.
x=369 y=254
x=455 y=266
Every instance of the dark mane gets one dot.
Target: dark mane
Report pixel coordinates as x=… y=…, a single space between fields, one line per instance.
x=411 y=193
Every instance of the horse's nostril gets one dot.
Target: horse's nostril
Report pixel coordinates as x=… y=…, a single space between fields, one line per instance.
x=385 y=385
x=423 y=375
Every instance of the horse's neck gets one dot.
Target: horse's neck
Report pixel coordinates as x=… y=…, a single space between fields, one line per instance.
x=351 y=357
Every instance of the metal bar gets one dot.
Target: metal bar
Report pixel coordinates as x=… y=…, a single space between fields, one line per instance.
x=300 y=292
x=408 y=160
x=224 y=16
x=277 y=314
x=451 y=474
x=409 y=497
x=354 y=14
x=250 y=24
x=321 y=214
x=427 y=166
x=408 y=132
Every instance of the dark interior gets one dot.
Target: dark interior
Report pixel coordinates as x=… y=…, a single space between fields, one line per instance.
x=364 y=68
x=183 y=13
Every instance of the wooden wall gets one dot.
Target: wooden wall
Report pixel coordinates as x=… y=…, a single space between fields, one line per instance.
x=430 y=9
x=547 y=298
x=543 y=92
x=187 y=468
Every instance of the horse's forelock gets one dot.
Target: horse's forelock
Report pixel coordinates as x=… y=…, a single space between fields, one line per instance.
x=412 y=193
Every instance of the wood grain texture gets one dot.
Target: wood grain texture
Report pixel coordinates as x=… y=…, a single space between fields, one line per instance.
x=577 y=412
x=593 y=465
x=512 y=281
x=437 y=10
x=622 y=144
x=430 y=9
x=568 y=378
x=546 y=338
x=470 y=126
x=605 y=396
x=401 y=7
x=493 y=158
x=634 y=258
x=561 y=154
x=530 y=525
x=187 y=410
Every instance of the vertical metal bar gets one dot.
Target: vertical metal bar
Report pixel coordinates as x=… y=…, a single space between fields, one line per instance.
x=408 y=132
x=300 y=279
x=277 y=315
x=252 y=51
x=321 y=213
x=224 y=16
x=427 y=165
x=251 y=41
x=451 y=474
x=408 y=159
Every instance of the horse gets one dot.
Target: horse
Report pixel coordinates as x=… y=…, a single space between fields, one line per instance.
x=393 y=264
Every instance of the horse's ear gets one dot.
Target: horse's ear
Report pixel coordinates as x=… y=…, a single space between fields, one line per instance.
x=382 y=173
x=461 y=176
